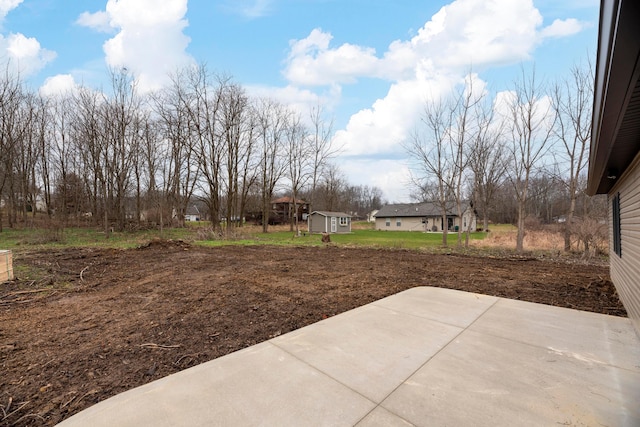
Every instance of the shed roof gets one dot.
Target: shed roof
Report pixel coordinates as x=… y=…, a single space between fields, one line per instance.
x=329 y=213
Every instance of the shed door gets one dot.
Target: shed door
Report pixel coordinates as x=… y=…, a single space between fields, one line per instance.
x=334 y=224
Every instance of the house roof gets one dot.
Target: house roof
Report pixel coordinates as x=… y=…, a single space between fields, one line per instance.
x=615 y=128
x=288 y=199
x=416 y=210
x=192 y=210
x=328 y=213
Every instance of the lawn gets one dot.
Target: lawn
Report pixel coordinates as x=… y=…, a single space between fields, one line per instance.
x=366 y=238
x=362 y=236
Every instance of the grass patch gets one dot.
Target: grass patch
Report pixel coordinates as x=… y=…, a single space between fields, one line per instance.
x=38 y=238
x=501 y=236
x=364 y=235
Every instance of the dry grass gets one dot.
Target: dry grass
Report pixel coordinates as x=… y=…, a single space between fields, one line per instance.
x=549 y=238
x=533 y=240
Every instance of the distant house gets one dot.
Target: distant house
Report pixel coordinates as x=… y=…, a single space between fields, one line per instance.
x=192 y=213
x=424 y=217
x=284 y=209
x=371 y=216
x=329 y=222
x=614 y=162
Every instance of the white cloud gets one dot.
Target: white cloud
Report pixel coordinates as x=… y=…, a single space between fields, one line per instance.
x=59 y=85
x=476 y=34
x=150 y=41
x=392 y=176
x=99 y=21
x=562 y=28
x=24 y=54
x=250 y=9
x=300 y=100
x=7 y=6
x=253 y=8
x=463 y=34
x=311 y=62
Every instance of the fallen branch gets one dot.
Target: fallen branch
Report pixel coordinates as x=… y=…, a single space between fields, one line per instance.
x=154 y=345
x=32 y=291
x=19 y=408
x=82 y=271
x=65 y=404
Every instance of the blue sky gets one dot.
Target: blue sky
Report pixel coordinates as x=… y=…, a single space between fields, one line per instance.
x=370 y=63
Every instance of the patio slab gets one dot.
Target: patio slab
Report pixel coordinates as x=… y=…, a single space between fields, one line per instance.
x=426 y=356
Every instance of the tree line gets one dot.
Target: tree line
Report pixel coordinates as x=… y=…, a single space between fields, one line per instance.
x=118 y=158
x=520 y=157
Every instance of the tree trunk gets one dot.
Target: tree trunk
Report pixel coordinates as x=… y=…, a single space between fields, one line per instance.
x=445 y=227
x=520 y=234
x=567 y=224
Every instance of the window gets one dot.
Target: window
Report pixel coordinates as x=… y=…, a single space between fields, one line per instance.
x=344 y=221
x=388 y=222
x=398 y=222
x=615 y=216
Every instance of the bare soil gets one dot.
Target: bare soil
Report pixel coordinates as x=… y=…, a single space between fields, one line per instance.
x=104 y=321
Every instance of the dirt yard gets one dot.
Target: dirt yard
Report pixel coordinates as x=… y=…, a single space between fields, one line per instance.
x=111 y=320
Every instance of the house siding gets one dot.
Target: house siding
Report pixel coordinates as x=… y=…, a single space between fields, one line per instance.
x=625 y=269
x=319 y=223
x=416 y=224
x=406 y=224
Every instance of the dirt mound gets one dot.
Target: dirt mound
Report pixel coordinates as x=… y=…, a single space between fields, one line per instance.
x=165 y=243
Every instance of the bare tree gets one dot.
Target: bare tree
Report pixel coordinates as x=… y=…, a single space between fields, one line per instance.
x=11 y=134
x=434 y=171
x=64 y=149
x=86 y=129
x=26 y=156
x=299 y=165
x=272 y=122
x=322 y=149
x=43 y=124
x=205 y=118
x=531 y=120
x=234 y=115
x=331 y=189
x=487 y=161
x=248 y=162
x=572 y=102
x=179 y=167
x=120 y=135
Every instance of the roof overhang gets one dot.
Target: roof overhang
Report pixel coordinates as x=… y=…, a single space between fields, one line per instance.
x=616 y=110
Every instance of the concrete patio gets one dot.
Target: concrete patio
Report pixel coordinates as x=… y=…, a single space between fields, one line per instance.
x=423 y=357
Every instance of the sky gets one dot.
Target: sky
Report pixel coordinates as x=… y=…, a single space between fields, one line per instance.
x=370 y=64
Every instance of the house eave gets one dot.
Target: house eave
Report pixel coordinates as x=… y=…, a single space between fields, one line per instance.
x=616 y=109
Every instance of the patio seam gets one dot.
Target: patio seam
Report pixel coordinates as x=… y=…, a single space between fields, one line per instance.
x=463 y=329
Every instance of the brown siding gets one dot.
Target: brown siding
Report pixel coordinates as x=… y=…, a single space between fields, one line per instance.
x=625 y=269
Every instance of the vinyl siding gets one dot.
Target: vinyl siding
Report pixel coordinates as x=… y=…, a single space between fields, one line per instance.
x=625 y=269
x=406 y=224
x=416 y=224
x=318 y=223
